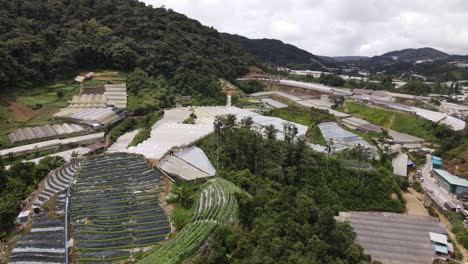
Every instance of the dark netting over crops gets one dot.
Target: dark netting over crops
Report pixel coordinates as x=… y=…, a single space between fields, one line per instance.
x=44 y=242
x=115 y=207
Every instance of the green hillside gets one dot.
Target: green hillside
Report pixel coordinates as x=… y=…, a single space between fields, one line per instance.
x=279 y=53
x=41 y=41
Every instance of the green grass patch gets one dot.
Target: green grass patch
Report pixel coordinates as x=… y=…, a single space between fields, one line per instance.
x=46 y=96
x=400 y=122
x=93 y=84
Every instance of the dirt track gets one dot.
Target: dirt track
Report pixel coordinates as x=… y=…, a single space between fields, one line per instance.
x=413 y=205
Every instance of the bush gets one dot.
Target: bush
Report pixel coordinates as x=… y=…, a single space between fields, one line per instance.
x=417 y=186
x=251 y=86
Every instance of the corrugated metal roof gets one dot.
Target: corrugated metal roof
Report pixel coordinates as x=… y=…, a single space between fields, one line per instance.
x=394 y=238
x=452 y=179
x=441 y=248
x=438 y=238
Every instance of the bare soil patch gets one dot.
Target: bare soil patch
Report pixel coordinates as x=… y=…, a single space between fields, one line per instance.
x=22 y=110
x=413 y=205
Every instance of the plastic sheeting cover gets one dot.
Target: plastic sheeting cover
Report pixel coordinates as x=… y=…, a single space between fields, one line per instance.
x=197 y=158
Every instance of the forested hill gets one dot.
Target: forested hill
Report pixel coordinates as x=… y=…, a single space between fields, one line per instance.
x=45 y=40
x=279 y=53
x=417 y=54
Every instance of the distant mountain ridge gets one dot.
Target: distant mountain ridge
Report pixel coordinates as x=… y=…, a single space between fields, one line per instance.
x=279 y=53
x=349 y=58
x=426 y=53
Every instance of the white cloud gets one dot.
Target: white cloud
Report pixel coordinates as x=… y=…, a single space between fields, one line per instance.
x=282 y=29
x=338 y=27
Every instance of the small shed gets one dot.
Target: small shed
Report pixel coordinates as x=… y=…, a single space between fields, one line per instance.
x=23 y=217
x=436 y=162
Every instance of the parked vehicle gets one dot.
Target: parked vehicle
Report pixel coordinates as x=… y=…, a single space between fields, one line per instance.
x=450 y=206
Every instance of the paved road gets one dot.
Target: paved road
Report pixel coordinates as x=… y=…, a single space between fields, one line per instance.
x=438 y=193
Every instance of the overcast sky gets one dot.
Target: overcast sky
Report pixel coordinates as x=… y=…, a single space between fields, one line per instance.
x=338 y=27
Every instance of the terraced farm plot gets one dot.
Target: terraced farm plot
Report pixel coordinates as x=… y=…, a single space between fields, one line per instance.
x=217 y=205
x=115 y=207
x=44 y=244
x=57 y=183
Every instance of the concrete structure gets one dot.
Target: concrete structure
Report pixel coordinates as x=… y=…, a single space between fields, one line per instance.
x=392 y=238
x=451 y=183
x=400 y=165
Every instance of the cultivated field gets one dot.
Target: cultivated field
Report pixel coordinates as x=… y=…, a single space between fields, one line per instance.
x=16 y=107
x=115 y=208
x=217 y=205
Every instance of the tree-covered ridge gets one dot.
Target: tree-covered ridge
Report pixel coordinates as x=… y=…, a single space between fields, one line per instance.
x=279 y=53
x=426 y=53
x=45 y=40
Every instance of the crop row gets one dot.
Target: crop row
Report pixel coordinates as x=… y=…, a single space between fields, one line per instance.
x=115 y=207
x=217 y=202
x=217 y=205
x=186 y=243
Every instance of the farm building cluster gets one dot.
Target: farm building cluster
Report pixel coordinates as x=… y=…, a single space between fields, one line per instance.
x=97 y=110
x=171 y=131
x=450 y=116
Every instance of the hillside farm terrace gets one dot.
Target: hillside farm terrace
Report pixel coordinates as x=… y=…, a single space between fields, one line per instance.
x=43 y=244
x=115 y=208
x=216 y=205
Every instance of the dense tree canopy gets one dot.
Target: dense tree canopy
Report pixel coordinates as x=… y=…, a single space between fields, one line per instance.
x=16 y=183
x=295 y=192
x=45 y=40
